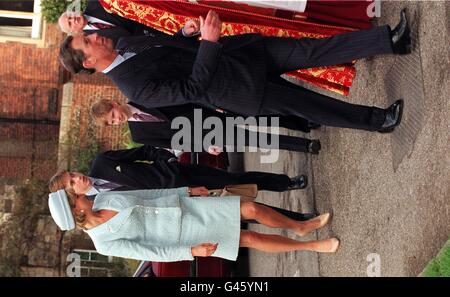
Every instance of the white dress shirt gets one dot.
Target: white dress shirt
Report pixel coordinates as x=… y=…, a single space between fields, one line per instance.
x=93 y=190
x=117 y=61
x=94 y=20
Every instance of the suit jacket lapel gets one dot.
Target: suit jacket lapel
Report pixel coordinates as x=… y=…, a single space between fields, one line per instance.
x=170 y=41
x=95 y=9
x=112 y=33
x=154 y=134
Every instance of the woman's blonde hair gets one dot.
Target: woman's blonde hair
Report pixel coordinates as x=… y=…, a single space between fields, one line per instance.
x=80 y=218
x=100 y=109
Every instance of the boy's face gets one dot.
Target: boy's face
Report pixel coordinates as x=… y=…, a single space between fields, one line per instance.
x=116 y=116
x=80 y=183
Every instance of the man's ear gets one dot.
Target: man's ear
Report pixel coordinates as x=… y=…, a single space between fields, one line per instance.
x=89 y=63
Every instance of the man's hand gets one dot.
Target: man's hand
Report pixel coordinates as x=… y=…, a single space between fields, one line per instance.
x=199 y=191
x=214 y=150
x=210 y=27
x=191 y=27
x=204 y=249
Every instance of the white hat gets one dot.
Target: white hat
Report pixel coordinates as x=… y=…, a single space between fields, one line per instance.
x=60 y=210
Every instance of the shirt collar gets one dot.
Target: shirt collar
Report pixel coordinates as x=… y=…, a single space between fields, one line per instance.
x=93 y=20
x=93 y=190
x=133 y=111
x=117 y=61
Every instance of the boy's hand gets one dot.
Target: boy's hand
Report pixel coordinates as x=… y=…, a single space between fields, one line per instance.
x=199 y=191
x=214 y=150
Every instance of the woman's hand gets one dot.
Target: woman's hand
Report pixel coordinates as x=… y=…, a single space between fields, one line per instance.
x=199 y=191
x=204 y=249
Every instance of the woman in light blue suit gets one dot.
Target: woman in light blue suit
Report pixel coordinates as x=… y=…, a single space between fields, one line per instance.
x=168 y=225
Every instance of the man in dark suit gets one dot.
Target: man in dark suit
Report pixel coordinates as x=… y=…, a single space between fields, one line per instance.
x=151 y=168
x=95 y=19
x=152 y=126
x=239 y=74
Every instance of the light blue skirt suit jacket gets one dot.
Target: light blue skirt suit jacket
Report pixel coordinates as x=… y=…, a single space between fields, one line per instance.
x=163 y=225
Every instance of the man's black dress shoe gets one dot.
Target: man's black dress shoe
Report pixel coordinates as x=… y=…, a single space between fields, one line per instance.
x=298 y=182
x=400 y=36
x=393 y=117
x=314 y=147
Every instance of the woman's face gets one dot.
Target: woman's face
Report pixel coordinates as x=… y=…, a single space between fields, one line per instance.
x=82 y=204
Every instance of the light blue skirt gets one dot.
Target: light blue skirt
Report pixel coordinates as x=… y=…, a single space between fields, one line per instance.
x=212 y=220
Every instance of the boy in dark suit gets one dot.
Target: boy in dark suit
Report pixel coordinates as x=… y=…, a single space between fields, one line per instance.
x=152 y=126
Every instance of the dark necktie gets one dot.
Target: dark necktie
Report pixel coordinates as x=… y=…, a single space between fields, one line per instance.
x=144 y=117
x=100 y=26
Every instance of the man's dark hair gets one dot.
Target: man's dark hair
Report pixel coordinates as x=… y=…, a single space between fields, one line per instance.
x=72 y=59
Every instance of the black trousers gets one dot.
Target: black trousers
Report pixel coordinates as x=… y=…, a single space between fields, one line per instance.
x=298 y=216
x=242 y=138
x=213 y=178
x=288 y=122
x=287 y=54
x=266 y=141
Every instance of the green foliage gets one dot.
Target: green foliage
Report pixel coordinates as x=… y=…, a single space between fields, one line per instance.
x=444 y=262
x=439 y=266
x=128 y=142
x=9 y=266
x=18 y=232
x=85 y=157
x=82 y=153
x=52 y=9
x=120 y=268
x=432 y=269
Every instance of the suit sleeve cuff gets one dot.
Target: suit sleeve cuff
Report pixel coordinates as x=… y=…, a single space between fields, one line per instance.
x=209 y=50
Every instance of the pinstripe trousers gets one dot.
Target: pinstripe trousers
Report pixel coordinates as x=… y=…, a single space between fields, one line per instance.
x=287 y=54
